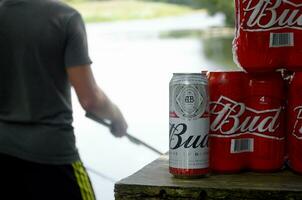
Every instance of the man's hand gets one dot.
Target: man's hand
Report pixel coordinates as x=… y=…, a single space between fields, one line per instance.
x=93 y=99
x=118 y=124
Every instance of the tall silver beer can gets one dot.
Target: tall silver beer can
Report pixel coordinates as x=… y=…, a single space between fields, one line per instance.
x=189 y=125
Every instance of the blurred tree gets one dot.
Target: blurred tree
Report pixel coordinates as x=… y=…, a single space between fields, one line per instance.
x=213 y=6
x=225 y=6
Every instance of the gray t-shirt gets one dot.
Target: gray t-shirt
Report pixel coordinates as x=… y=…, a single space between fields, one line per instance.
x=39 y=39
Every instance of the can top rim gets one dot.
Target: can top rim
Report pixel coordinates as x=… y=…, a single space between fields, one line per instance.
x=199 y=74
x=222 y=72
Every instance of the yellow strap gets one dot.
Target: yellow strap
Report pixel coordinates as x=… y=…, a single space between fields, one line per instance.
x=83 y=181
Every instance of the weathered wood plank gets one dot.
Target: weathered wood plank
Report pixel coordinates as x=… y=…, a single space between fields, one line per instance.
x=155 y=182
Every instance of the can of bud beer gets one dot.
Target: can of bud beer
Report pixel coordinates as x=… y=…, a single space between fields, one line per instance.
x=294 y=123
x=189 y=126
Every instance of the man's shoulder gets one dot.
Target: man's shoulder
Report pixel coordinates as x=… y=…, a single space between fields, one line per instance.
x=60 y=7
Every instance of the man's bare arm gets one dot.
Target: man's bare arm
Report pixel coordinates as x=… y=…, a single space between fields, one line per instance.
x=94 y=100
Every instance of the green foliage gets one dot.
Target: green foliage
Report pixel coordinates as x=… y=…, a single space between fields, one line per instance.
x=225 y=6
x=101 y=11
x=97 y=13
x=218 y=49
x=213 y=6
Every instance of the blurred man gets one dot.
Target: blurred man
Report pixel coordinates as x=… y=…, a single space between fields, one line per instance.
x=43 y=49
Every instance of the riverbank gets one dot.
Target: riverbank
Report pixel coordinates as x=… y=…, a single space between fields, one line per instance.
x=106 y=11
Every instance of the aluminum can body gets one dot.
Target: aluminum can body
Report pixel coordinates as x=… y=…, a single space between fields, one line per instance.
x=227 y=93
x=265 y=114
x=247 y=121
x=189 y=126
x=294 y=125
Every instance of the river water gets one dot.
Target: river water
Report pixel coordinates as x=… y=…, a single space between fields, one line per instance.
x=133 y=63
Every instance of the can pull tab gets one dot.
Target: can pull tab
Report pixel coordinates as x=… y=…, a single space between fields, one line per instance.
x=204 y=72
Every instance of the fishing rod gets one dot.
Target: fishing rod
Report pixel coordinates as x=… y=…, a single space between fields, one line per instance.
x=96 y=172
x=130 y=137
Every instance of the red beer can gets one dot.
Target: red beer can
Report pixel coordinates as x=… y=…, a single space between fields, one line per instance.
x=189 y=126
x=265 y=110
x=295 y=122
x=227 y=93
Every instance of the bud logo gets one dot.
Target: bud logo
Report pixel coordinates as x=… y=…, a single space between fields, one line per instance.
x=261 y=15
x=232 y=118
x=297 y=130
x=179 y=138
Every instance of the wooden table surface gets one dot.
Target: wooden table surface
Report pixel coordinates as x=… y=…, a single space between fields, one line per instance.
x=155 y=182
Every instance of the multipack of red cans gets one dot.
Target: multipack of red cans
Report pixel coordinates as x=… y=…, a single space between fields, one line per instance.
x=255 y=121
x=247 y=128
x=256 y=116
x=268 y=35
